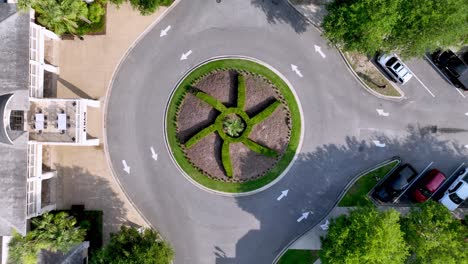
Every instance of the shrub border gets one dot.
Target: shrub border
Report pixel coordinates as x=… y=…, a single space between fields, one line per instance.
x=241 y=64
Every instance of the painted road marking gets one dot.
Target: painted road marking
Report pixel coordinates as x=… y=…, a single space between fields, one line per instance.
x=164 y=31
x=425 y=87
x=154 y=155
x=283 y=194
x=466 y=113
x=185 y=55
x=466 y=146
x=460 y=92
x=379 y=144
x=325 y=226
x=126 y=168
x=318 y=49
x=296 y=70
x=381 y=112
x=303 y=216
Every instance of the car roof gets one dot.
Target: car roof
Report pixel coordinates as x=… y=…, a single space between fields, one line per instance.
x=434 y=180
x=462 y=192
x=404 y=173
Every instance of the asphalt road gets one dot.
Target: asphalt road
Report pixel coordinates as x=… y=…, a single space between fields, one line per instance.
x=341 y=122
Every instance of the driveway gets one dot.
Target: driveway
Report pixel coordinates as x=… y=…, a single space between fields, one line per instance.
x=341 y=129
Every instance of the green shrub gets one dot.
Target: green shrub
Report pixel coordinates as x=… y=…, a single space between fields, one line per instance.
x=259 y=148
x=96 y=12
x=265 y=113
x=240 y=91
x=226 y=159
x=147 y=7
x=210 y=100
x=233 y=126
x=205 y=132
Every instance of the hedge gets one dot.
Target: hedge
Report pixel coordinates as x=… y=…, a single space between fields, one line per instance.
x=240 y=91
x=259 y=148
x=210 y=100
x=226 y=158
x=265 y=113
x=203 y=133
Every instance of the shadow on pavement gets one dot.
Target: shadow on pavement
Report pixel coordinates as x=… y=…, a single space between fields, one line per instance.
x=317 y=179
x=279 y=11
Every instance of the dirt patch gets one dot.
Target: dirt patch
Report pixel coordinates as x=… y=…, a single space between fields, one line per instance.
x=368 y=72
x=195 y=115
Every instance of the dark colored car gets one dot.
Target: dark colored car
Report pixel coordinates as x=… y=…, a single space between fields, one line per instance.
x=395 y=184
x=428 y=185
x=453 y=67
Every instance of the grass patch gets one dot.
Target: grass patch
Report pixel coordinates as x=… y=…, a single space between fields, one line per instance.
x=299 y=256
x=357 y=194
x=368 y=73
x=240 y=65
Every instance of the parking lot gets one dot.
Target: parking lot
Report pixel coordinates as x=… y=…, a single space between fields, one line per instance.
x=404 y=199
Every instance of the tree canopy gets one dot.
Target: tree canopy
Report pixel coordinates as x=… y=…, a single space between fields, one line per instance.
x=435 y=236
x=52 y=232
x=410 y=28
x=132 y=247
x=365 y=236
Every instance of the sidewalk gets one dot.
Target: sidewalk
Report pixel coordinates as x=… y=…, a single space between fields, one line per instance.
x=313 y=10
x=86 y=69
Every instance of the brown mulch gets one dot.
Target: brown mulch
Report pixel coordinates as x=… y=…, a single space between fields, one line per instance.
x=273 y=132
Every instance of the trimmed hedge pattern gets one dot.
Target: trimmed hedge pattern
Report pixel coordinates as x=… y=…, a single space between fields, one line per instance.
x=240 y=91
x=265 y=113
x=203 y=133
x=254 y=146
x=226 y=159
x=210 y=100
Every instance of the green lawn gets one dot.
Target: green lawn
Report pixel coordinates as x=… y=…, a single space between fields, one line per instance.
x=240 y=65
x=299 y=256
x=357 y=194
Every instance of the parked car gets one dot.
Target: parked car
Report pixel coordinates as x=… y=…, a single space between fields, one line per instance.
x=395 y=68
x=453 y=67
x=395 y=184
x=457 y=192
x=427 y=186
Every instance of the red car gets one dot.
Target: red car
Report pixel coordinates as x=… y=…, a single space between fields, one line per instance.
x=428 y=185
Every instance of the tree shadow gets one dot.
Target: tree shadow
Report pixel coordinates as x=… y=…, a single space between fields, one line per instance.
x=78 y=186
x=280 y=12
x=317 y=179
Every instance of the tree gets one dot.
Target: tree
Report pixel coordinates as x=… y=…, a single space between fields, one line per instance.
x=435 y=236
x=60 y=16
x=410 y=28
x=132 y=247
x=53 y=232
x=147 y=7
x=365 y=236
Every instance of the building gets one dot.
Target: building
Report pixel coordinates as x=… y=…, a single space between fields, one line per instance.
x=30 y=121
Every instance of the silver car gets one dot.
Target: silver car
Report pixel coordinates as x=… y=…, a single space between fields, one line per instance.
x=395 y=68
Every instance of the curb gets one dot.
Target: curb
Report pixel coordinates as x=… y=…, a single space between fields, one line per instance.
x=348 y=65
x=342 y=194
x=285 y=171
x=106 y=106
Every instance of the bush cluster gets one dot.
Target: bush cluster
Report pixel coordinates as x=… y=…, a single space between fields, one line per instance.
x=145 y=7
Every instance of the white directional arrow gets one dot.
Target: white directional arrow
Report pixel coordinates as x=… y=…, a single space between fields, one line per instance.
x=466 y=113
x=283 y=194
x=154 y=155
x=185 y=55
x=164 y=31
x=126 y=167
x=318 y=49
x=295 y=69
x=381 y=112
x=379 y=144
x=303 y=216
x=466 y=146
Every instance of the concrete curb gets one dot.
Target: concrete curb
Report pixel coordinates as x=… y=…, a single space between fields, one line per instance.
x=106 y=106
x=301 y=139
x=348 y=65
x=342 y=194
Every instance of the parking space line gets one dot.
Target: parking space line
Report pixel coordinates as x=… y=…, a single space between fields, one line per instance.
x=425 y=87
x=443 y=75
x=415 y=180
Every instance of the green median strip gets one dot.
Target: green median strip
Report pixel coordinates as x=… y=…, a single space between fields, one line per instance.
x=299 y=256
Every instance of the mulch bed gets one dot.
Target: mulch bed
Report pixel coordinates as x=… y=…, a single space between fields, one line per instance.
x=273 y=132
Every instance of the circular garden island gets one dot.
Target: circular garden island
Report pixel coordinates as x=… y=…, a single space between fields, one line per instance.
x=233 y=125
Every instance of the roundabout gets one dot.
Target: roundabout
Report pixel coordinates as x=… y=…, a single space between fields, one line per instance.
x=339 y=124
x=233 y=126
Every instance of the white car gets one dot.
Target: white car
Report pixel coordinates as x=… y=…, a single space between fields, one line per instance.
x=395 y=68
x=457 y=192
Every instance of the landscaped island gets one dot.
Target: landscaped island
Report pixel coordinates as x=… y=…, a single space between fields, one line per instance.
x=233 y=125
